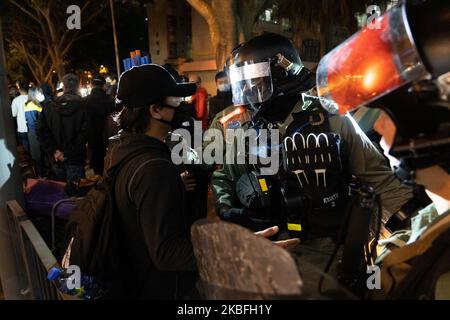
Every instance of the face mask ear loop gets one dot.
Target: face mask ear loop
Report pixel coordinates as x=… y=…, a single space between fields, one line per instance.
x=164 y=121
x=164 y=105
x=169 y=106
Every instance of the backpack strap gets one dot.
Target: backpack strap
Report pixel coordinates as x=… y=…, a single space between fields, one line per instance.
x=139 y=168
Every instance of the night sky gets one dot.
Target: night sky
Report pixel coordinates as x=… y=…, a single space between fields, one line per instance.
x=98 y=49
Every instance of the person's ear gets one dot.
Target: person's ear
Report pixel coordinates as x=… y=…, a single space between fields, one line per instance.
x=155 y=112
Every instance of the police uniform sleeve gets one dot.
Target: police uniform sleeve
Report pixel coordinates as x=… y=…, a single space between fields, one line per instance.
x=222 y=182
x=223 y=187
x=364 y=160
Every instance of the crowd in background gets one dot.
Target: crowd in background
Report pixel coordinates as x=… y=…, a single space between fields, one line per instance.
x=65 y=132
x=56 y=129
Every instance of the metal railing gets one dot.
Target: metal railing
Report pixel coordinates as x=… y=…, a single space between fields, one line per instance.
x=33 y=255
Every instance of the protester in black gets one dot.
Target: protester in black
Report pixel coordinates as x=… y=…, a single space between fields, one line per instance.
x=62 y=131
x=99 y=106
x=149 y=192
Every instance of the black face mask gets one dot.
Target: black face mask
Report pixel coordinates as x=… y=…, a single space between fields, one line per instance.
x=178 y=120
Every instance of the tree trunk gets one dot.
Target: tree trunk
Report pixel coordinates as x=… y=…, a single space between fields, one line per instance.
x=240 y=30
x=230 y=22
x=205 y=10
x=249 y=11
x=58 y=62
x=226 y=19
x=56 y=39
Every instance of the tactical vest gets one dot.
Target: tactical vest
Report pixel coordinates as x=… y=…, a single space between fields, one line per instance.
x=309 y=195
x=314 y=184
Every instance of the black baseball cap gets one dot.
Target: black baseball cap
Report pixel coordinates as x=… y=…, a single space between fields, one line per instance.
x=143 y=85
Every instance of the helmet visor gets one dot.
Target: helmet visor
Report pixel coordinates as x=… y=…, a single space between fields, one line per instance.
x=251 y=82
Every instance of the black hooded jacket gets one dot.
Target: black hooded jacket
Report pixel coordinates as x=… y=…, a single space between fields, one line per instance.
x=99 y=106
x=63 y=125
x=154 y=226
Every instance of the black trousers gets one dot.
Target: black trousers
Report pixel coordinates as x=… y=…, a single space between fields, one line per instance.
x=98 y=159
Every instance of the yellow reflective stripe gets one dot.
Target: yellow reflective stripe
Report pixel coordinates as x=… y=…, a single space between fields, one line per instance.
x=263 y=184
x=294 y=227
x=31 y=106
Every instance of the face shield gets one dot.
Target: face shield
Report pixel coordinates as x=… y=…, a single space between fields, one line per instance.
x=251 y=82
x=374 y=62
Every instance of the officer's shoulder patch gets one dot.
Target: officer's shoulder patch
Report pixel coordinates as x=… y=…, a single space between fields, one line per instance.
x=232 y=113
x=227 y=111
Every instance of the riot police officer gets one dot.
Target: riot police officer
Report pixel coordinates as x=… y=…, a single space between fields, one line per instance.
x=320 y=152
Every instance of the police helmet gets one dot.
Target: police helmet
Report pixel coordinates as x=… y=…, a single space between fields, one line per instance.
x=265 y=67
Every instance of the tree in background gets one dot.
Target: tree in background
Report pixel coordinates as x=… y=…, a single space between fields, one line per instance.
x=230 y=22
x=37 y=33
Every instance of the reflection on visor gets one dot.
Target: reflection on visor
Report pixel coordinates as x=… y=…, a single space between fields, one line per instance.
x=251 y=83
x=250 y=71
